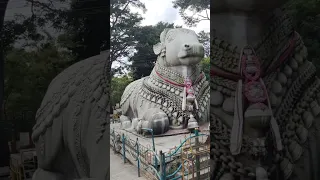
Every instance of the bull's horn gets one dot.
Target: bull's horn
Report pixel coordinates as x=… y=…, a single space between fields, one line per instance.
x=164 y=34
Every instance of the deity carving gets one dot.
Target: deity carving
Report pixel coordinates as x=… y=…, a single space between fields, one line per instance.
x=176 y=94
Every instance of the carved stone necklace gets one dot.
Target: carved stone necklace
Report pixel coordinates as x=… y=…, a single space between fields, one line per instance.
x=168 y=92
x=279 y=87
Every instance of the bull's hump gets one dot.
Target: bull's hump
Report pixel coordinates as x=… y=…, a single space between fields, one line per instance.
x=75 y=82
x=134 y=86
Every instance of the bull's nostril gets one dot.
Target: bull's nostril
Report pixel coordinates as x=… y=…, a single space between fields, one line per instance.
x=186 y=45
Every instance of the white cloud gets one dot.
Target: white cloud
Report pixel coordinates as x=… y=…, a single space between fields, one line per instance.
x=162 y=10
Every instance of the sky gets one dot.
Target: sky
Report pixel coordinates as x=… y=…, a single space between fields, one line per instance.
x=157 y=10
x=162 y=10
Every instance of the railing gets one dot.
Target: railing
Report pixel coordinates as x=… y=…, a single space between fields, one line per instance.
x=172 y=165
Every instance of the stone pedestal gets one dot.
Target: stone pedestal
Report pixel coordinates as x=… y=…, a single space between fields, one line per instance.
x=165 y=142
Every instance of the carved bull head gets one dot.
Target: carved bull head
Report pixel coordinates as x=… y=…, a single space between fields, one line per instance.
x=244 y=5
x=179 y=47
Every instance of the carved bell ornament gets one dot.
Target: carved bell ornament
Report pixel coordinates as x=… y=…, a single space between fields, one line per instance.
x=192 y=123
x=258 y=116
x=190 y=98
x=252 y=103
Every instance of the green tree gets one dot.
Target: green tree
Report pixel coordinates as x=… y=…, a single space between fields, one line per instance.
x=205 y=65
x=27 y=76
x=196 y=8
x=118 y=85
x=143 y=60
x=307 y=20
x=124 y=25
x=87 y=27
x=83 y=25
x=204 y=38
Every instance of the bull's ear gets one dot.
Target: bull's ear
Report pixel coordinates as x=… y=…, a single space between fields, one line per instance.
x=157 y=48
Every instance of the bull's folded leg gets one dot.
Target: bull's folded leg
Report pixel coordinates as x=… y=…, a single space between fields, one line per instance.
x=157 y=120
x=41 y=174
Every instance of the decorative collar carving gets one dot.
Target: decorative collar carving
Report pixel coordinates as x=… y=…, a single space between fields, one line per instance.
x=225 y=56
x=285 y=73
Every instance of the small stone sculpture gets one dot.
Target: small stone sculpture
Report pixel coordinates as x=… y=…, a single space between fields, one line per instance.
x=265 y=96
x=176 y=94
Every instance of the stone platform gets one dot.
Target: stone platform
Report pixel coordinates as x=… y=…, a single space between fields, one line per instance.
x=166 y=142
x=120 y=170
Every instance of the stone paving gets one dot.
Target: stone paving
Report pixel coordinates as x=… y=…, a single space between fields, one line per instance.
x=121 y=171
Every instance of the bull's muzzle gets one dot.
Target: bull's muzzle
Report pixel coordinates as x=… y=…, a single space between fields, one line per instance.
x=191 y=50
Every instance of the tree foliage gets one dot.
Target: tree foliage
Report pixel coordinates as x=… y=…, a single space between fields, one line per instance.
x=28 y=75
x=205 y=65
x=123 y=25
x=83 y=25
x=144 y=58
x=194 y=11
x=204 y=38
x=306 y=16
x=118 y=85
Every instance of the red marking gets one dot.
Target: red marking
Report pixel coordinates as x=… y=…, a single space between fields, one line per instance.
x=256 y=75
x=177 y=84
x=251 y=97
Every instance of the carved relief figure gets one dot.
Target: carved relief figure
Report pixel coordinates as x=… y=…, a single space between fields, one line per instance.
x=176 y=94
x=264 y=95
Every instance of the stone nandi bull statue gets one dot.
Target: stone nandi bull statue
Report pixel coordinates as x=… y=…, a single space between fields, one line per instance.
x=265 y=122
x=71 y=132
x=176 y=93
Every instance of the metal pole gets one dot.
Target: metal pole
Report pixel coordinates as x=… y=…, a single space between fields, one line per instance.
x=123 y=148
x=114 y=140
x=138 y=158
x=153 y=147
x=196 y=131
x=154 y=150
x=162 y=166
